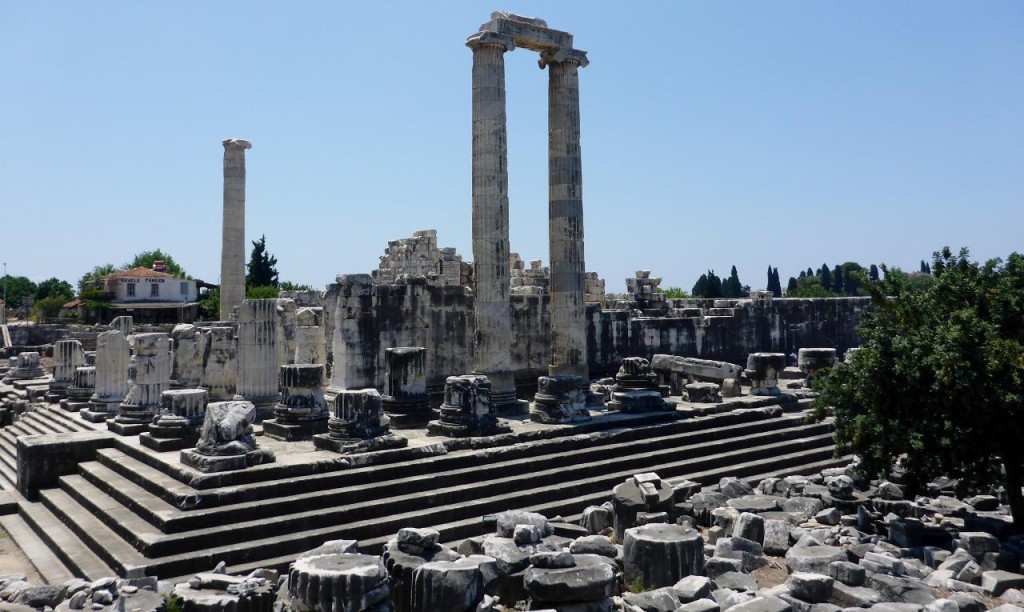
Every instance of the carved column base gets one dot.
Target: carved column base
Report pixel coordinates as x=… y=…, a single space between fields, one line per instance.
x=560 y=399
x=99 y=410
x=408 y=412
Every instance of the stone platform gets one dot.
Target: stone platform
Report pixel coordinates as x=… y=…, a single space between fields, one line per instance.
x=134 y=509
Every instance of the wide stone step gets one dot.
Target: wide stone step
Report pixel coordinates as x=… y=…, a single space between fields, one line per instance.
x=64 y=420
x=101 y=539
x=366 y=504
x=429 y=479
x=125 y=521
x=376 y=525
x=293 y=477
x=24 y=427
x=569 y=508
x=156 y=481
x=50 y=568
x=69 y=548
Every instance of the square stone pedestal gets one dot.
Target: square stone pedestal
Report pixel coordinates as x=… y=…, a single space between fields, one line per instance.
x=293 y=431
x=162 y=445
x=95 y=413
x=126 y=429
x=349 y=446
x=226 y=463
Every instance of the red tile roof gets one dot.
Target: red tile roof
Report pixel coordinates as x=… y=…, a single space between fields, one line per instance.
x=140 y=271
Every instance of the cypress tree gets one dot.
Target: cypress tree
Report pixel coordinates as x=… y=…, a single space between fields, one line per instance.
x=826 y=278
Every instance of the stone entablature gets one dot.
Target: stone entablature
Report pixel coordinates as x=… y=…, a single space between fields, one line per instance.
x=147 y=285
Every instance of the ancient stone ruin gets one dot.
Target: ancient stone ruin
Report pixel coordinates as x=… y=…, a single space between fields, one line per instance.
x=439 y=434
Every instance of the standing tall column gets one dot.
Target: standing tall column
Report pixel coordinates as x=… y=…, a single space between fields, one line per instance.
x=493 y=335
x=232 y=254
x=565 y=214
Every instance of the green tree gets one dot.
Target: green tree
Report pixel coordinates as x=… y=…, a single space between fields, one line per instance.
x=809 y=287
x=732 y=287
x=709 y=285
x=675 y=293
x=262 y=266
x=54 y=287
x=261 y=293
x=48 y=308
x=873 y=273
x=791 y=286
x=937 y=385
x=18 y=288
x=837 y=279
x=145 y=259
x=209 y=305
x=95 y=277
x=825 y=277
x=290 y=286
x=774 y=284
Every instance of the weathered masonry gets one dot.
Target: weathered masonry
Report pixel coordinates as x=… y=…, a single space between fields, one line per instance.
x=566 y=332
x=416 y=312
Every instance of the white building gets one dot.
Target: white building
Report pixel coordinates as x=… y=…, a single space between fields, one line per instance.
x=152 y=294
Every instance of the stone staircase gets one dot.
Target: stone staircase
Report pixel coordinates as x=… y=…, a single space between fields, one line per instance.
x=57 y=553
x=49 y=419
x=132 y=512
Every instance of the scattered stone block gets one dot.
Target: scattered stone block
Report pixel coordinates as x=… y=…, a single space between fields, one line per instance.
x=848 y=573
x=812 y=588
x=813 y=559
x=452 y=585
x=594 y=545
x=692 y=588
x=996 y=582
x=592 y=579
x=661 y=554
x=656 y=600
x=978 y=542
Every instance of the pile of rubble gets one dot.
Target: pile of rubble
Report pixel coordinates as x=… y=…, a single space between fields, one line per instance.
x=818 y=543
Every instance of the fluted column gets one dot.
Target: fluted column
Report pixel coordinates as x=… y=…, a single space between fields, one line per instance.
x=112 y=355
x=493 y=335
x=565 y=214
x=257 y=355
x=232 y=254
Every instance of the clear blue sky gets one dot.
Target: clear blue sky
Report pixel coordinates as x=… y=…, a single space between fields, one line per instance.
x=714 y=133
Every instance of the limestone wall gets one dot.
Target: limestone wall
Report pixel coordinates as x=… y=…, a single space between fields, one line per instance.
x=440 y=318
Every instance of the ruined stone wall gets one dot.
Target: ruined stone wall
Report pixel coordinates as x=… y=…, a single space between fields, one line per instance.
x=440 y=318
x=781 y=325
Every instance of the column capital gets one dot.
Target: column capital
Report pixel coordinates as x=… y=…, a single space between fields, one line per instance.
x=490 y=39
x=563 y=55
x=237 y=143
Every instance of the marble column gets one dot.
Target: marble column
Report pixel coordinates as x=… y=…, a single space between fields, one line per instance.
x=220 y=363
x=302 y=411
x=68 y=356
x=257 y=355
x=112 y=355
x=565 y=214
x=81 y=389
x=232 y=254
x=310 y=341
x=493 y=336
x=149 y=375
x=188 y=344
